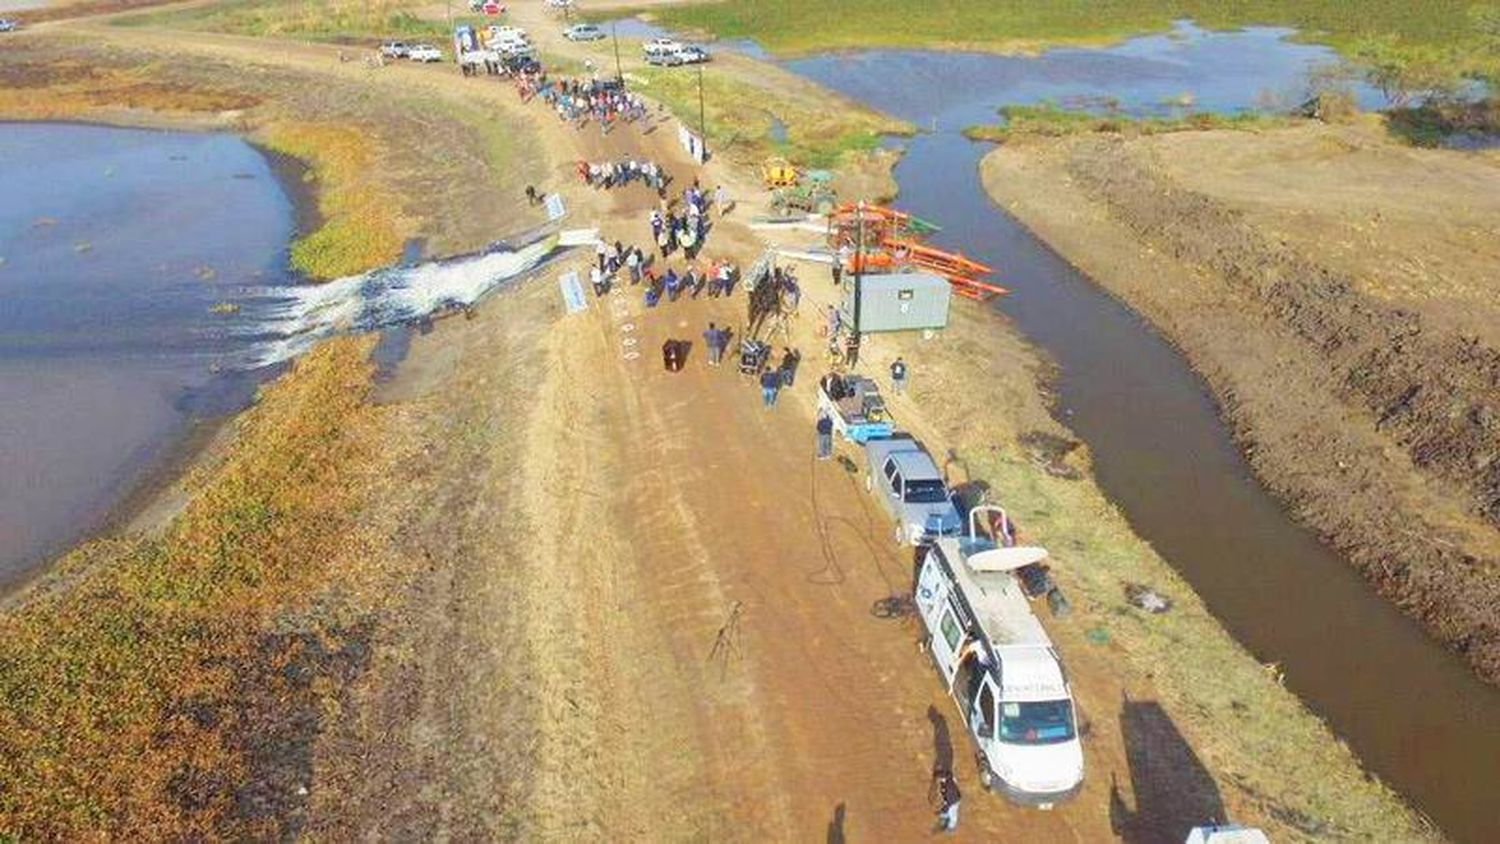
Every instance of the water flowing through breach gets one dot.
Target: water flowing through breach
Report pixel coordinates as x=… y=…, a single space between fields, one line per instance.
x=283 y=322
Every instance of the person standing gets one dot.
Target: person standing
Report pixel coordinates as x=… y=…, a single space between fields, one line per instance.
x=600 y=249
x=714 y=340
x=633 y=263
x=946 y=796
x=531 y=195
x=770 y=384
x=825 y=435
x=721 y=199
x=898 y=376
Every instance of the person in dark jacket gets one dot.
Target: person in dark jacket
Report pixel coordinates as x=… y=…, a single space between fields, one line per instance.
x=770 y=384
x=825 y=436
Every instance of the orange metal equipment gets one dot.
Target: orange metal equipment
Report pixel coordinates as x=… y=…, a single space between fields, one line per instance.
x=877 y=239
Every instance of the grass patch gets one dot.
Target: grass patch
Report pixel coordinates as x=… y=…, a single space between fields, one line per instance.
x=354 y=22
x=741 y=116
x=123 y=699
x=1433 y=124
x=794 y=27
x=331 y=20
x=361 y=228
x=1051 y=121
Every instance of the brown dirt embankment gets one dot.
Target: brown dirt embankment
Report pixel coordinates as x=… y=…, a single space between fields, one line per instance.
x=1338 y=291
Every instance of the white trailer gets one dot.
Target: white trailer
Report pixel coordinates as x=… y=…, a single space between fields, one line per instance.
x=999 y=665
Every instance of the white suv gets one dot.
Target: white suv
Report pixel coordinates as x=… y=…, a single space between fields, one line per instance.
x=425 y=53
x=661 y=46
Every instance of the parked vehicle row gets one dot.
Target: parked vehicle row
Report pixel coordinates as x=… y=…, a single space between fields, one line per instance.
x=973 y=595
x=412 y=52
x=668 y=52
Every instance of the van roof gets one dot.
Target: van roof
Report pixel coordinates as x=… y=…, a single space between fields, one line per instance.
x=1004 y=616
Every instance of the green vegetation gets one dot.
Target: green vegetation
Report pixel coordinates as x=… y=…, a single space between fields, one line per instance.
x=360 y=229
x=1049 y=120
x=741 y=118
x=128 y=685
x=334 y=20
x=791 y=26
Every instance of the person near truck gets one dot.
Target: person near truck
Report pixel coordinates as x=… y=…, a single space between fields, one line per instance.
x=945 y=795
x=825 y=435
x=898 y=376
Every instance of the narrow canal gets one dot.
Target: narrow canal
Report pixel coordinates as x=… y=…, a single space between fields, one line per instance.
x=1412 y=711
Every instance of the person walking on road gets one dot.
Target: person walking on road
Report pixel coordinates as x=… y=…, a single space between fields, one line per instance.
x=770 y=384
x=898 y=376
x=825 y=435
x=713 y=338
x=945 y=795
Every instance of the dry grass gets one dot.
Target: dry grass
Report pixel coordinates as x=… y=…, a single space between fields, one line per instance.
x=361 y=229
x=122 y=696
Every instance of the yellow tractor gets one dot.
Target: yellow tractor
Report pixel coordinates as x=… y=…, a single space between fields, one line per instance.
x=778 y=173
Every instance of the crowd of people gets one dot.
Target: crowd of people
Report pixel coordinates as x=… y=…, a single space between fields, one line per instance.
x=613 y=174
x=632 y=264
x=577 y=101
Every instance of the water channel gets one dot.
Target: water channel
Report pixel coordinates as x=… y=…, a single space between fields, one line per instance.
x=1412 y=711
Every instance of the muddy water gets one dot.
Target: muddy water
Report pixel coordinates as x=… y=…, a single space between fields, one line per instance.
x=116 y=246
x=1412 y=711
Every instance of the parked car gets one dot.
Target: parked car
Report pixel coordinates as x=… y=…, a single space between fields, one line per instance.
x=907 y=481
x=664 y=59
x=692 y=55
x=425 y=53
x=583 y=32
x=658 y=46
x=7 y=25
x=395 y=49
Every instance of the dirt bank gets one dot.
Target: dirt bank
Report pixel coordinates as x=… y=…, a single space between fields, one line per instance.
x=575 y=596
x=1338 y=292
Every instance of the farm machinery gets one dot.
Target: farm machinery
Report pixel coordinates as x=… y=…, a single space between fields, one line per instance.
x=794 y=191
x=873 y=239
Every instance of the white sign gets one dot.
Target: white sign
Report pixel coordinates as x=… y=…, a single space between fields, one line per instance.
x=555 y=207
x=572 y=292
x=692 y=143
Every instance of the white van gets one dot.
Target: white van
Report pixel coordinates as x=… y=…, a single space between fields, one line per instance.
x=999 y=665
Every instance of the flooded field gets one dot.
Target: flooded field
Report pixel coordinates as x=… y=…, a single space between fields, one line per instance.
x=117 y=247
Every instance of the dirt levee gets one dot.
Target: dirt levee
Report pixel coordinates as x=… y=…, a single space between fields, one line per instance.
x=1337 y=291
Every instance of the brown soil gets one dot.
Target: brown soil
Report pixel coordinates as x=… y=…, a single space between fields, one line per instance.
x=1338 y=292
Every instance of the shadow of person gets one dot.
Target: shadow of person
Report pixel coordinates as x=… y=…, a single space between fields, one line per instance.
x=942 y=741
x=1173 y=791
x=836 y=826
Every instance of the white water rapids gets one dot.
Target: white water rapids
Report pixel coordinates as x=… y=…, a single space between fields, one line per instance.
x=283 y=322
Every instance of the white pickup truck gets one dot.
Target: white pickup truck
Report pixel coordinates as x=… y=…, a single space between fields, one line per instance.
x=907 y=481
x=999 y=666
